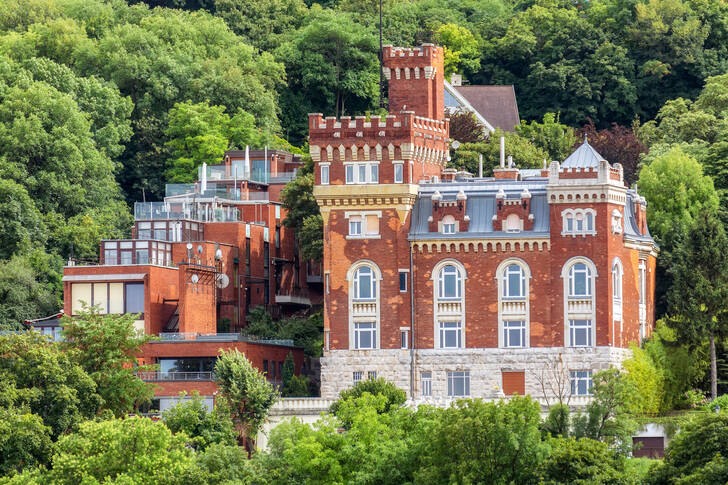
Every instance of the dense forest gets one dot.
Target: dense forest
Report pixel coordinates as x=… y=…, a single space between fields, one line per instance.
x=103 y=101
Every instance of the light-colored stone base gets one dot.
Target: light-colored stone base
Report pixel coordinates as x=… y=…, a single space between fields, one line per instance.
x=542 y=367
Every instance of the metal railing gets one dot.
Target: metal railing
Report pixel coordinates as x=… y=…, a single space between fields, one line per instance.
x=176 y=376
x=184 y=210
x=220 y=337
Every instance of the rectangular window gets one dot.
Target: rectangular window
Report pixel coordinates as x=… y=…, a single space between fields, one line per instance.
x=265 y=367
x=362 y=173
x=144 y=230
x=358 y=376
x=324 y=174
x=247 y=256
x=642 y=282
x=374 y=173
x=458 y=384
x=280 y=369
x=581 y=382
x=451 y=335
x=426 y=378
x=402 y=281
x=448 y=228
x=278 y=237
x=116 y=298
x=111 y=256
x=266 y=259
x=126 y=257
x=398 y=173
x=160 y=231
x=365 y=335
x=403 y=339
x=580 y=333
x=569 y=224
x=80 y=295
x=101 y=297
x=514 y=333
x=372 y=374
x=350 y=174
x=134 y=298
x=355 y=226
x=372 y=224
x=273 y=369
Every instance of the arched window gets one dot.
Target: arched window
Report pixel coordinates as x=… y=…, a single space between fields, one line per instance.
x=579 y=281
x=449 y=305
x=617 y=274
x=514 y=282
x=513 y=307
x=448 y=225
x=579 y=308
x=617 y=281
x=364 y=305
x=450 y=281
x=365 y=285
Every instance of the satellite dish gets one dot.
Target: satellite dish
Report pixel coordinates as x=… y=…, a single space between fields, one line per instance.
x=194 y=278
x=222 y=280
x=189 y=245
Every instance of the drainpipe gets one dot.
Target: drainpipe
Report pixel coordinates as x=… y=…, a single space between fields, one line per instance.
x=412 y=324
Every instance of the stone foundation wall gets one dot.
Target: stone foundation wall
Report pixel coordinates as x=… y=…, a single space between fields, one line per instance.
x=540 y=365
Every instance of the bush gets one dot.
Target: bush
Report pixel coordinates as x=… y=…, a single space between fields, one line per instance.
x=720 y=401
x=395 y=396
x=647 y=379
x=581 y=462
x=192 y=417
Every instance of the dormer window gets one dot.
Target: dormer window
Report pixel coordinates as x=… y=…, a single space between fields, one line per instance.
x=578 y=222
x=513 y=223
x=448 y=225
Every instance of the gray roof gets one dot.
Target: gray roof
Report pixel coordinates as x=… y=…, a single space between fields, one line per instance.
x=481 y=207
x=496 y=104
x=631 y=230
x=583 y=157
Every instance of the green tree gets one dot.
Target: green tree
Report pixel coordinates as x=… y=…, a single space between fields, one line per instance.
x=303 y=212
x=648 y=379
x=30 y=287
x=23 y=225
x=225 y=464
x=582 y=462
x=550 y=135
x=700 y=287
x=331 y=66
x=618 y=144
x=484 y=442
x=25 y=442
x=293 y=385
x=524 y=152
x=697 y=454
x=262 y=24
x=462 y=49
x=191 y=417
x=48 y=382
x=606 y=418
x=394 y=396
x=249 y=393
x=107 y=347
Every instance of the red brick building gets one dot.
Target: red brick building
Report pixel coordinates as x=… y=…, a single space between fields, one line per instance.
x=451 y=285
x=196 y=264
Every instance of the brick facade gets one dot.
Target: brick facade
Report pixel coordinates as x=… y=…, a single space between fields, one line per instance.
x=567 y=227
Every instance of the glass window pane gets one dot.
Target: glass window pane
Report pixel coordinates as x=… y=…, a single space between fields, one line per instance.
x=374 y=173
x=349 y=174
x=398 y=173
x=362 y=174
x=134 y=297
x=450 y=286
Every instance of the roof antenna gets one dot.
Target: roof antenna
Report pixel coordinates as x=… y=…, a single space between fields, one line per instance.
x=381 y=60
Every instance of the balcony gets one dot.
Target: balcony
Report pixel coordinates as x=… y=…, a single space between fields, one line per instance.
x=449 y=307
x=185 y=210
x=579 y=305
x=364 y=309
x=293 y=297
x=175 y=376
x=238 y=171
x=510 y=307
x=168 y=337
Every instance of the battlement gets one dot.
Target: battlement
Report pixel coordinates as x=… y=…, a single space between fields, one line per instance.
x=604 y=173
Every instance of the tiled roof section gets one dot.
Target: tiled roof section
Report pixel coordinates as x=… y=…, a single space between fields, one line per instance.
x=481 y=207
x=497 y=104
x=583 y=157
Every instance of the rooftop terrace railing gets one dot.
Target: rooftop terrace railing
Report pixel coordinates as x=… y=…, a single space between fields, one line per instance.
x=237 y=171
x=184 y=210
x=176 y=376
x=220 y=337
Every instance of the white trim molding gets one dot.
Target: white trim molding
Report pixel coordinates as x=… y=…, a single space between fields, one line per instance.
x=579 y=307
x=365 y=311
x=514 y=309
x=448 y=309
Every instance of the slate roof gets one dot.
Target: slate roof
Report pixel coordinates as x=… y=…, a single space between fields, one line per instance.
x=583 y=157
x=496 y=104
x=481 y=207
x=631 y=230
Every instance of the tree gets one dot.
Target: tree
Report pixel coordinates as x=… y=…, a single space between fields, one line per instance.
x=23 y=225
x=582 y=462
x=394 y=396
x=48 y=382
x=618 y=144
x=262 y=23
x=130 y=450
x=648 y=379
x=331 y=66
x=606 y=417
x=303 y=212
x=700 y=287
x=697 y=454
x=484 y=442
x=550 y=135
x=25 y=442
x=462 y=53
x=191 y=417
x=525 y=154
x=293 y=385
x=465 y=128
x=107 y=347
x=249 y=393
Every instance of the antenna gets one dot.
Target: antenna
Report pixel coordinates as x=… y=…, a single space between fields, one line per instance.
x=222 y=280
x=381 y=60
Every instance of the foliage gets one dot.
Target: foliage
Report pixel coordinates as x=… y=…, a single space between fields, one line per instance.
x=191 y=417
x=227 y=465
x=558 y=421
x=331 y=66
x=25 y=442
x=618 y=144
x=697 y=454
x=583 y=462
x=484 y=442
x=48 y=382
x=606 y=418
x=261 y=23
x=648 y=379
x=107 y=347
x=23 y=224
x=303 y=212
x=306 y=332
x=293 y=385
x=247 y=391
x=461 y=49
x=720 y=402
x=525 y=153
x=700 y=285
x=394 y=396
x=554 y=138
x=465 y=128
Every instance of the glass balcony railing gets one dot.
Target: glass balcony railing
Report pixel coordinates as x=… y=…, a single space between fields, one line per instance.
x=185 y=210
x=238 y=171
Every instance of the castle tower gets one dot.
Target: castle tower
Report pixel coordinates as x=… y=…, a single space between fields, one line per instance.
x=367 y=171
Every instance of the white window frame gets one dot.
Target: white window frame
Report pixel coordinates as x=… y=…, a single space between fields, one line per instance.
x=404 y=337
x=513 y=308
x=581 y=376
x=403 y=272
x=448 y=225
x=369 y=309
x=364 y=234
x=358 y=173
x=579 y=307
x=426 y=384
x=447 y=327
x=325 y=169
x=573 y=273
x=507 y=327
x=451 y=378
x=356 y=223
x=398 y=167
x=448 y=309
x=576 y=222
x=451 y=270
x=576 y=325
x=365 y=328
